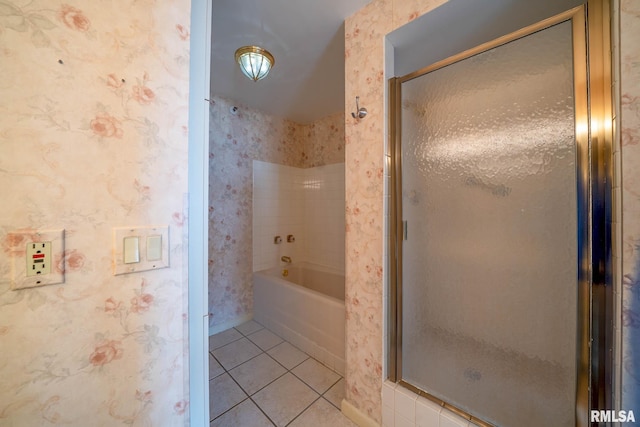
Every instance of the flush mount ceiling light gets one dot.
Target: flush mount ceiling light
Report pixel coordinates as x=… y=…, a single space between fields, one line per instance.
x=255 y=62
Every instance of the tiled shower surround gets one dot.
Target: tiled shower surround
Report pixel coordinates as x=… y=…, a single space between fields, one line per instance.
x=236 y=140
x=306 y=203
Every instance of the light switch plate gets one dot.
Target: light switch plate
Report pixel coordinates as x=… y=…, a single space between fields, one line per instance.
x=148 y=258
x=31 y=245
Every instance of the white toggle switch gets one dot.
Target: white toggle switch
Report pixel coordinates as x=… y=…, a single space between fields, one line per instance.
x=131 y=250
x=154 y=248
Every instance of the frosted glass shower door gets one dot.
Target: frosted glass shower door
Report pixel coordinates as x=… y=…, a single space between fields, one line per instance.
x=490 y=258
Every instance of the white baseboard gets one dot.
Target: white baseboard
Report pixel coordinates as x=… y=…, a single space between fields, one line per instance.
x=356 y=416
x=229 y=324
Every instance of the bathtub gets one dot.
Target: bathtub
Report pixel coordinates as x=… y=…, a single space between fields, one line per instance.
x=306 y=308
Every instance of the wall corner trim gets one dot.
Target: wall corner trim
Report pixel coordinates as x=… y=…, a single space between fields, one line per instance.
x=356 y=416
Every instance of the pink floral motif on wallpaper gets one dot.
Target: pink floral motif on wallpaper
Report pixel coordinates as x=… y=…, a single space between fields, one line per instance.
x=142 y=93
x=630 y=105
x=71 y=260
x=144 y=191
x=15 y=242
x=183 y=32
x=413 y=16
x=114 y=82
x=107 y=126
x=178 y=219
x=112 y=306
x=630 y=136
x=105 y=352
x=131 y=197
x=181 y=407
x=74 y=18
x=142 y=401
x=141 y=302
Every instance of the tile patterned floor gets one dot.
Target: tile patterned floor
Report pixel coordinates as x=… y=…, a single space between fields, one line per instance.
x=257 y=379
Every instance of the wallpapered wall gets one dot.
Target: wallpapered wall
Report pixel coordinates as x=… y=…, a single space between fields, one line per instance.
x=235 y=141
x=364 y=151
x=93 y=135
x=630 y=139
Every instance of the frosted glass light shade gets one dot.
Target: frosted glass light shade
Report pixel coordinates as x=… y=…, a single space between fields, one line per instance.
x=255 y=62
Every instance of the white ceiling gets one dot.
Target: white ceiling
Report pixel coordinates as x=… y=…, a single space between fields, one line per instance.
x=306 y=37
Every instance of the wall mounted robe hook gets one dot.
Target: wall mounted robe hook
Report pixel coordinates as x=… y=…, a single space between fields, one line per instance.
x=361 y=112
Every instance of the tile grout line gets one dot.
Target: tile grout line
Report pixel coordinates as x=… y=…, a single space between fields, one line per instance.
x=250 y=396
x=303 y=411
x=225 y=344
x=287 y=370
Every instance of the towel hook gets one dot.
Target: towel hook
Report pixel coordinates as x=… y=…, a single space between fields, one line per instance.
x=361 y=112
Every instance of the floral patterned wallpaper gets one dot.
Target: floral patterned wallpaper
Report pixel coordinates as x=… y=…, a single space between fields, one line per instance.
x=93 y=135
x=364 y=152
x=235 y=141
x=630 y=140
x=324 y=143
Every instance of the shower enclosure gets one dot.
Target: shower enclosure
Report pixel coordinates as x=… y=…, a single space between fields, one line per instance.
x=500 y=229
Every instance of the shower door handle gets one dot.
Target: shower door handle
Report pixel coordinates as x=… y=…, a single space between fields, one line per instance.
x=405 y=229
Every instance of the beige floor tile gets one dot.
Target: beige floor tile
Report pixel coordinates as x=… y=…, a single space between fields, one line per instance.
x=257 y=373
x=287 y=398
x=232 y=355
x=249 y=327
x=224 y=394
x=223 y=338
x=316 y=375
x=265 y=339
x=322 y=414
x=245 y=414
x=287 y=355
x=214 y=367
x=336 y=393
x=284 y=399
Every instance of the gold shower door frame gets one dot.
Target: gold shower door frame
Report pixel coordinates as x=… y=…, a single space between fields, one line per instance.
x=594 y=141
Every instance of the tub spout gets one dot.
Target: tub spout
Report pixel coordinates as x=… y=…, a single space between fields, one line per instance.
x=286 y=259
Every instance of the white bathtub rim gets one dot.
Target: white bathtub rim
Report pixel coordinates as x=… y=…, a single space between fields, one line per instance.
x=275 y=274
x=301 y=264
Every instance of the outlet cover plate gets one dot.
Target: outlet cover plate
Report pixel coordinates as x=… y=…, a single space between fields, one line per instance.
x=20 y=241
x=150 y=258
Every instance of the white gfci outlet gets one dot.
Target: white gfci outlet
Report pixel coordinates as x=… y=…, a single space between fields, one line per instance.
x=38 y=258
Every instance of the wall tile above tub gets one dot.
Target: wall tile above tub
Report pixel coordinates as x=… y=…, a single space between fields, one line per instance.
x=403 y=408
x=308 y=203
